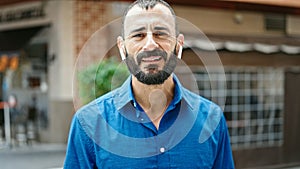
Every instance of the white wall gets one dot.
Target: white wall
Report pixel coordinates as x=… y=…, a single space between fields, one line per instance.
x=60 y=71
x=61 y=45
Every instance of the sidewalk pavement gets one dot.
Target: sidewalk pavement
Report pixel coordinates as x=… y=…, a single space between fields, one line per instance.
x=37 y=156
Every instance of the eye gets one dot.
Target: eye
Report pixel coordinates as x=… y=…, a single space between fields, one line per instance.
x=138 y=35
x=161 y=35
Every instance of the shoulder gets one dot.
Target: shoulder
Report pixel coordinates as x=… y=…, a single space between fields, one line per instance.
x=204 y=105
x=100 y=107
x=209 y=115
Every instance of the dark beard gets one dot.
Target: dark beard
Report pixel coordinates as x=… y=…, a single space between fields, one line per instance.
x=152 y=78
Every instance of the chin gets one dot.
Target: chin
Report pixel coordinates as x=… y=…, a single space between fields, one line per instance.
x=152 y=78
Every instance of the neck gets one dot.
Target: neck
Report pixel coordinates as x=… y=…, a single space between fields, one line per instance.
x=154 y=99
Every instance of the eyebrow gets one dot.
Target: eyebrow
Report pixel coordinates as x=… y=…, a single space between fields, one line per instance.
x=137 y=30
x=159 y=28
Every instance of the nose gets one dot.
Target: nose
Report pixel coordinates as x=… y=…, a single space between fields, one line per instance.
x=150 y=42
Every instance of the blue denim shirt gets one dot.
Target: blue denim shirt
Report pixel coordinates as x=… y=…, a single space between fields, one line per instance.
x=114 y=132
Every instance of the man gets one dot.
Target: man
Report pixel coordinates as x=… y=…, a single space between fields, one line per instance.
x=151 y=121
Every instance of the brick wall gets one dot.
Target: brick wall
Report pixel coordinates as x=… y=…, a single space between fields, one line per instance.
x=89 y=17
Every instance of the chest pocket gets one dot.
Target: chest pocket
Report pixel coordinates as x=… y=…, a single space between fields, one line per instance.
x=199 y=157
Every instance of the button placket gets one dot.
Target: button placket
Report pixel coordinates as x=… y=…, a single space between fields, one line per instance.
x=162 y=149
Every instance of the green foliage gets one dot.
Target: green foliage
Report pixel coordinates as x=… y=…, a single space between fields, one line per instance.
x=100 y=78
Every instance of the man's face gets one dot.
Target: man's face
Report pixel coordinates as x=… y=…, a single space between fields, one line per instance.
x=150 y=42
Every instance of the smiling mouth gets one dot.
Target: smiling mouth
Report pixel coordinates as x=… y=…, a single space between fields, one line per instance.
x=152 y=59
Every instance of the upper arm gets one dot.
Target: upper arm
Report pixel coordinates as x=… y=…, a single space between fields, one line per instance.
x=224 y=157
x=80 y=152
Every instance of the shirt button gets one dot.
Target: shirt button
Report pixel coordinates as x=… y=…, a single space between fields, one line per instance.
x=162 y=149
x=142 y=119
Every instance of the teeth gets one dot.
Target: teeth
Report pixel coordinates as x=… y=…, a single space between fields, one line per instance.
x=152 y=58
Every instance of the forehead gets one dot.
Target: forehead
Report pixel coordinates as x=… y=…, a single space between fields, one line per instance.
x=159 y=15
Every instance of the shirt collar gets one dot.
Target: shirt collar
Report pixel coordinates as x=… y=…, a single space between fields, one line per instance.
x=124 y=94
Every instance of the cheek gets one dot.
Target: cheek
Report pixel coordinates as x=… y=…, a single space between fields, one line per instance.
x=168 y=46
x=133 y=48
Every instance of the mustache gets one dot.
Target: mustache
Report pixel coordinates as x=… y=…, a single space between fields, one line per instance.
x=155 y=52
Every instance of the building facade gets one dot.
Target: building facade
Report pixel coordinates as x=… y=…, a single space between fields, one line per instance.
x=259 y=51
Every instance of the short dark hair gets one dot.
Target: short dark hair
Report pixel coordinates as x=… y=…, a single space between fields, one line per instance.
x=149 y=4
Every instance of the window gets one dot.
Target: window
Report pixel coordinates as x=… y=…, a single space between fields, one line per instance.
x=254 y=103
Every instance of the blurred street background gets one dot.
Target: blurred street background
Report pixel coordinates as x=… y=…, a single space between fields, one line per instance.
x=41 y=156
x=51 y=49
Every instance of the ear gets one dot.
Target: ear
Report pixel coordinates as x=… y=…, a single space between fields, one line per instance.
x=179 y=45
x=121 y=46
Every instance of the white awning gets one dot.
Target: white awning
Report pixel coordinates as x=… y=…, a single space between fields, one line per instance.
x=238 y=46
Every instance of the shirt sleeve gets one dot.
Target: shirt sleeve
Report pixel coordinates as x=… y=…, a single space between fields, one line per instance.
x=224 y=157
x=80 y=153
